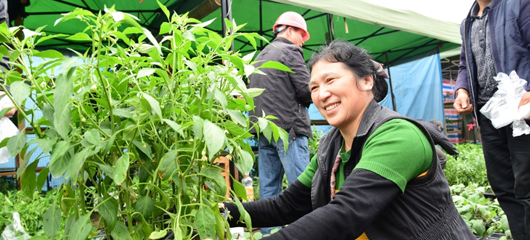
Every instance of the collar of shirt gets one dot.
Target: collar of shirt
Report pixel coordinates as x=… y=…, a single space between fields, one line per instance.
x=476 y=9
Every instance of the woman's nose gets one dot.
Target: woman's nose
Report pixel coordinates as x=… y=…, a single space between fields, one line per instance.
x=323 y=94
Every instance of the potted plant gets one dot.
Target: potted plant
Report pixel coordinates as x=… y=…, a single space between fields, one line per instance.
x=141 y=118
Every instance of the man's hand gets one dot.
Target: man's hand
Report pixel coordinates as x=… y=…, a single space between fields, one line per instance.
x=524 y=100
x=462 y=104
x=10 y=112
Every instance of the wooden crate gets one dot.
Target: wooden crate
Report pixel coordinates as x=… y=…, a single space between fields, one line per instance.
x=224 y=163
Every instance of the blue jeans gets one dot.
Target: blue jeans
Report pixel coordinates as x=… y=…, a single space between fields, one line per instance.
x=274 y=162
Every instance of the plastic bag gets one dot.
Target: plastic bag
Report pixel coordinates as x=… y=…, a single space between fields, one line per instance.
x=7 y=129
x=15 y=230
x=502 y=109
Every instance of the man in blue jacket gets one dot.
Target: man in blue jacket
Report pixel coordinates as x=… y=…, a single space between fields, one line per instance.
x=286 y=97
x=496 y=38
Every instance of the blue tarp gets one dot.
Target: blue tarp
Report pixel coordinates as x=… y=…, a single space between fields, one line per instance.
x=417 y=87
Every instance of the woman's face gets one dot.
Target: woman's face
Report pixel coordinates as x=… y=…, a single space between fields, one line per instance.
x=338 y=97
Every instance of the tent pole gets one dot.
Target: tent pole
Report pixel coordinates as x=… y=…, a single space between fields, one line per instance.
x=226 y=12
x=261 y=24
x=390 y=83
x=202 y=10
x=331 y=31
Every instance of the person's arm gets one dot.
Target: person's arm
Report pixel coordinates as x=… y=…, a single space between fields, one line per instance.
x=447 y=145
x=462 y=102
x=397 y=146
x=362 y=197
x=289 y=206
x=300 y=76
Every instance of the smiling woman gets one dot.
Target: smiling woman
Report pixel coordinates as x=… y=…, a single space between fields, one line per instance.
x=373 y=167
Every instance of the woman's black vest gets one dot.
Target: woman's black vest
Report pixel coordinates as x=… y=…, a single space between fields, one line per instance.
x=426 y=209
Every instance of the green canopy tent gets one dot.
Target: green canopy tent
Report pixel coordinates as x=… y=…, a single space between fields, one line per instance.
x=388 y=34
x=387 y=44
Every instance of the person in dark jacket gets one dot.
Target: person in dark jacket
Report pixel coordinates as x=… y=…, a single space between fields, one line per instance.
x=496 y=38
x=375 y=175
x=286 y=97
x=435 y=128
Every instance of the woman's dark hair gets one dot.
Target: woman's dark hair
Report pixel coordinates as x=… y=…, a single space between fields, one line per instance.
x=356 y=59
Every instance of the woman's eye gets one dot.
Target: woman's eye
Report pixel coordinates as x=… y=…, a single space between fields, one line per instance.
x=312 y=89
x=329 y=79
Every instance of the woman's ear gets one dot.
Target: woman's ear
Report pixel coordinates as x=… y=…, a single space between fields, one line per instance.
x=367 y=83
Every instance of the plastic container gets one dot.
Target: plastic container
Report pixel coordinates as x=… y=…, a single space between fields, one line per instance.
x=247 y=183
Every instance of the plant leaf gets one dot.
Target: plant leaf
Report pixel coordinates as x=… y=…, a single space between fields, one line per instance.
x=221 y=97
x=152 y=40
x=122 y=113
x=50 y=53
x=81 y=228
x=28 y=180
x=20 y=91
x=145 y=148
x=52 y=220
x=92 y=136
x=175 y=126
x=246 y=161
x=235 y=130
x=164 y=9
x=120 y=169
x=203 y=221
x=61 y=103
x=254 y=92
x=145 y=72
x=16 y=143
x=275 y=65
x=76 y=164
x=239 y=189
x=237 y=117
x=120 y=232
x=80 y=36
x=58 y=159
x=479 y=227
x=109 y=211
x=145 y=206
x=158 y=234
x=153 y=103
x=168 y=164
x=42 y=177
x=214 y=137
x=45 y=145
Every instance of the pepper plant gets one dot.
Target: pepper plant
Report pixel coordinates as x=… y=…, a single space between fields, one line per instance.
x=141 y=117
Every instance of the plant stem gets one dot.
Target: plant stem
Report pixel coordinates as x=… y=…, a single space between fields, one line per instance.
x=98 y=71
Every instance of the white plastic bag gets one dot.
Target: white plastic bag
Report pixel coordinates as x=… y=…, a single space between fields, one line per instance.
x=502 y=109
x=15 y=229
x=7 y=129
